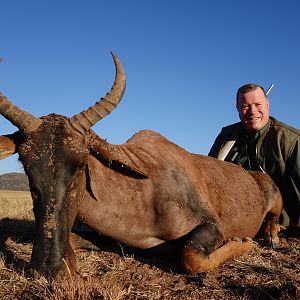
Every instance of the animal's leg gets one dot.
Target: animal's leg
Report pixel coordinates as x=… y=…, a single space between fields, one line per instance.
x=69 y=260
x=206 y=249
x=270 y=225
x=270 y=229
x=78 y=242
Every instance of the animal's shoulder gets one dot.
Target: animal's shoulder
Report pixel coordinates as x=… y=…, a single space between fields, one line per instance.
x=155 y=144
x=146 y=135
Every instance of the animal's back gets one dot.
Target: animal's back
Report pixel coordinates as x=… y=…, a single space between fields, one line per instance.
x=151 y=148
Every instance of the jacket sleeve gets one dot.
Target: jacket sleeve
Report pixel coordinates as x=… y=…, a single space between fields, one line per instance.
x=227 y=133
x=217 y=145
x=293 y=164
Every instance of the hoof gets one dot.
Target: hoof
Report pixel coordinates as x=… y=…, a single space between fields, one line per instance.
x=275 y=243
x=247 y=239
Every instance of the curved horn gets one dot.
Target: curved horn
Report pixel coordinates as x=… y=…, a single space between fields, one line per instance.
x=88 y=118
x=21 y=119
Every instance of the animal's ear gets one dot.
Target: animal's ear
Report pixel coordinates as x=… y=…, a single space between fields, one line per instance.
x=113 y=158
x=8 y=145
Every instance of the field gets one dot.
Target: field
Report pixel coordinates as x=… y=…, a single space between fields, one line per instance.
x=111 y=271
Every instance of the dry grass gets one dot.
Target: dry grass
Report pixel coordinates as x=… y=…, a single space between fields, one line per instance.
x=119 y=274
x=15 y=205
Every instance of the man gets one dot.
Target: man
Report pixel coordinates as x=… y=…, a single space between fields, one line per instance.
x=261 y=143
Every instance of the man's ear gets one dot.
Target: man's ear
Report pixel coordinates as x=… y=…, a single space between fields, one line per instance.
x=268 y=104
x=8 y=145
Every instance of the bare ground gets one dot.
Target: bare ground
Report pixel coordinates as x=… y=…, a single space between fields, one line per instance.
x=115 y=272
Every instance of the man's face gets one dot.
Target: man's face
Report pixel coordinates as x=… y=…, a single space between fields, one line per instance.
x=253 y=108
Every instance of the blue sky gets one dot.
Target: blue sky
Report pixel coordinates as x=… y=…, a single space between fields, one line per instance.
x=184 y=60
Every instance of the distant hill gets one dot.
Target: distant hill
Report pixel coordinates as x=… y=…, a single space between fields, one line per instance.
x=14 y=182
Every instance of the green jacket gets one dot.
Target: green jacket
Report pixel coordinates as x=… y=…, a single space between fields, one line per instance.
x=275 y=149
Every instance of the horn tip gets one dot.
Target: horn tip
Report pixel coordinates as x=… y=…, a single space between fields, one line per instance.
x=115 y=57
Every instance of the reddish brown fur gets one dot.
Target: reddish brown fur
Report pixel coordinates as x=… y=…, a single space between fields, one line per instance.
x=182 y=193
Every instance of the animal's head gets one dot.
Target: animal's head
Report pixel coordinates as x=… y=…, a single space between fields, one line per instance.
x=54 y=151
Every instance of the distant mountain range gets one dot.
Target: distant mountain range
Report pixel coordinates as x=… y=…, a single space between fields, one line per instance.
x=14 y=182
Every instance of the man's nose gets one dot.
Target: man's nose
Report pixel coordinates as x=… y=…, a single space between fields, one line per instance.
x=252 y=108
